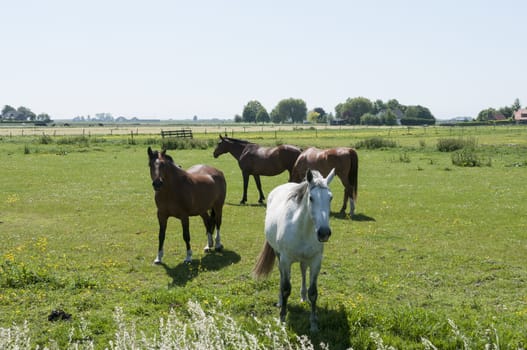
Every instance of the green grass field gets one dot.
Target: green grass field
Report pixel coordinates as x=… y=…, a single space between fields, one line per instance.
x=431 y=241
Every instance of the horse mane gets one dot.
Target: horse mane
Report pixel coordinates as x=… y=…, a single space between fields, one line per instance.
x=300 y=191
x=231 y=139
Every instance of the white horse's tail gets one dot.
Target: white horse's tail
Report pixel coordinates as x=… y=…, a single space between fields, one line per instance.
x=265 y=262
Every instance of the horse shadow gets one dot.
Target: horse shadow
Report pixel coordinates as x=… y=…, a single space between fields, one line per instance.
x=334 y=330
x=182 y=273
x=258 y=205
x=356 y=217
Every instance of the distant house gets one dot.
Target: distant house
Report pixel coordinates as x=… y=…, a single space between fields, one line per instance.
x=520 y=116
x=497 y=116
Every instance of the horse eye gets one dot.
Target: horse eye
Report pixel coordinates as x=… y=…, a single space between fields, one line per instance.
x=311 y=198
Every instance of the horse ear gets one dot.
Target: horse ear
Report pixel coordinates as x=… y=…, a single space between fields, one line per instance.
x=163 y=153
x=150 y=153
x=330 y=177
x=309 y=175
x=221 y=137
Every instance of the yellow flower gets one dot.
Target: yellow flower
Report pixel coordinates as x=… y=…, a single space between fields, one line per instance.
x=12 y=198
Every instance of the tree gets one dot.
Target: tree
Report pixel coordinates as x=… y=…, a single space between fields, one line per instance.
x=312 y=116
x=238 y=118
x=378 y=106
x=8 y=112
x=43 y=117
x=322 y=115
x=370 y=119
x=486 y=114
x=516 y=105
x=290 y=109
x=417 y=115
x=262 y=116
x=24 y=114
x=393 y=104
x=250 y=111
x=353 y=109
x=508 y=112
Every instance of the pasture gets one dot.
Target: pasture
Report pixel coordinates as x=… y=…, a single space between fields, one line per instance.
x=434 y=251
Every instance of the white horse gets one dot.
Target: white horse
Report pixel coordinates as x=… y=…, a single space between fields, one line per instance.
x=296 y=226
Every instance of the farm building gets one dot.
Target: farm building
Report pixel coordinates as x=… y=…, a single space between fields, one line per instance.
x=521 y=115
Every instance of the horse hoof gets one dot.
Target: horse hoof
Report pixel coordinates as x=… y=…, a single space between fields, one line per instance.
x=207 y=250
x=242 y=202
x=219 y=248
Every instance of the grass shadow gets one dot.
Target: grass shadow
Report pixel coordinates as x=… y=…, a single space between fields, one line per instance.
x=182 y=273
x=334 y=330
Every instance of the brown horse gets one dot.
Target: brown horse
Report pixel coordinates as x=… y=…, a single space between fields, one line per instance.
x=256 y=160
x=343 y=159
x=182 y=194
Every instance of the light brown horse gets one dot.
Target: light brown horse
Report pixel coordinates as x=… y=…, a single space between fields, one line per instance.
x=182 y=194
x=346 y=163
x=257 y=160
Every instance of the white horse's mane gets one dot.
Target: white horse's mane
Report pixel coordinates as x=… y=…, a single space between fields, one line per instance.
x=300 y=191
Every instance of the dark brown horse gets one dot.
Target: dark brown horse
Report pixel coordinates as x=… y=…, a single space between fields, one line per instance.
x=343 y=159
x=182 y=194
x=256 y=160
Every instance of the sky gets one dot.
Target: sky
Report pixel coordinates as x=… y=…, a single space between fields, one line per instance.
x=179 y=59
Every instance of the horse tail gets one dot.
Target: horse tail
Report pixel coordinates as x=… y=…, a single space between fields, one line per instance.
x=353 y=175
x=265 y=262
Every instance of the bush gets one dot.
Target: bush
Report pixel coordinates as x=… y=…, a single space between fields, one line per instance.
x=174 y=143
x=375 y=142
x=454 y=144
x=468 y=158
x=45 y=140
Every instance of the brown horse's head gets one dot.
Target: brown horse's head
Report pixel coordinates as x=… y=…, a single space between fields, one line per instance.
x=221 y=147
x=158 y=162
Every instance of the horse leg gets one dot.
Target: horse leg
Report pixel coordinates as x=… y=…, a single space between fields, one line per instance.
x=285 y=286
x=259 y=186
x=313 y=294
x=217 y=220
x=245 y=185
x=208 y=221
x=303 y=289
x=186 y=238
x=344 y=203
x=352 y=206
x=348 y=195
x=162 y=219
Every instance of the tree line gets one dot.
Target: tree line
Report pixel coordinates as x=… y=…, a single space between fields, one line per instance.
x=354 y=111
x=22 y=114
x=506 y=112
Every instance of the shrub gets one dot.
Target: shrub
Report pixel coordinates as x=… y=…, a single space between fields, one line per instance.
x=173 y=143
x=468 y=158
x=375 y=142
x=454 y=144
x=45 y=139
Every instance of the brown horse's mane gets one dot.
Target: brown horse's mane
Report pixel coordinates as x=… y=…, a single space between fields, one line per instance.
x=231 y=139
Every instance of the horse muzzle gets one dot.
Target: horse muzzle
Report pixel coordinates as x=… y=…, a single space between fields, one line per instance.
x=157 y=184
x=323 y=234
